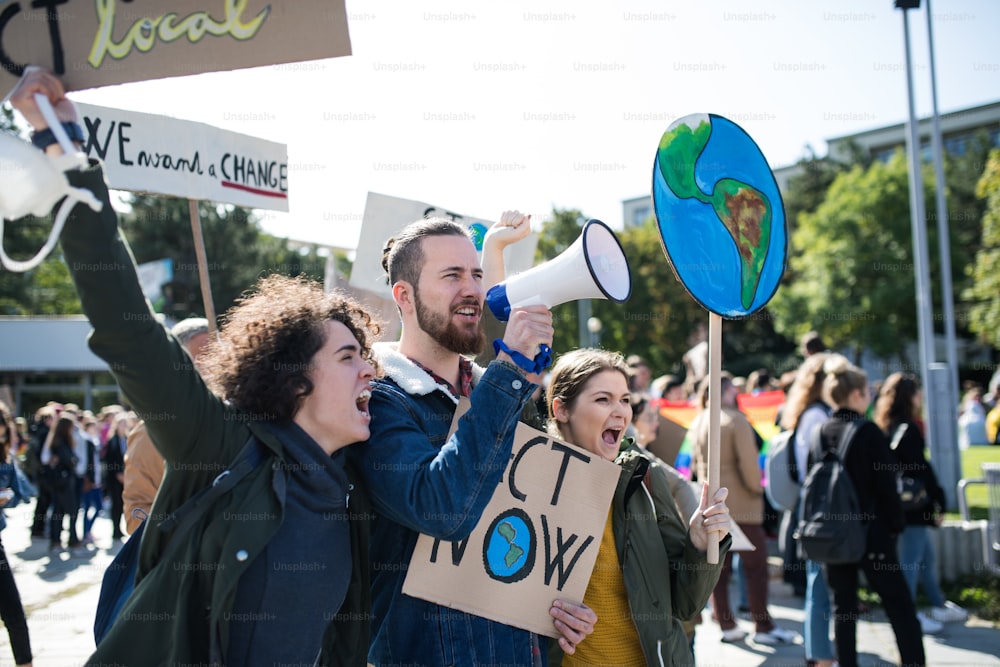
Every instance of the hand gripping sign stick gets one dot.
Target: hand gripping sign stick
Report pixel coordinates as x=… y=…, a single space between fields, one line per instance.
x=722 y=225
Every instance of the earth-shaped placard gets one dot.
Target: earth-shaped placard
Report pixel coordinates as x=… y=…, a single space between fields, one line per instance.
x=720 y=215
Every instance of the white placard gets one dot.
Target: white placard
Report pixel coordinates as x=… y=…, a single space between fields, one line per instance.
x=386 y=216
x=158 y=154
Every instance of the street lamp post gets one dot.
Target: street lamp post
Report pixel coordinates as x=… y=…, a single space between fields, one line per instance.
x=594 y=326
x=935 y=390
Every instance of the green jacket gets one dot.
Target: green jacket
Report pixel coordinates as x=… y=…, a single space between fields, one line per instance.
x=179 y=611
x=666 y=578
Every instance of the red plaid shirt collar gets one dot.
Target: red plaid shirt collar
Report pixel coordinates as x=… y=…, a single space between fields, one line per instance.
x=464 y=377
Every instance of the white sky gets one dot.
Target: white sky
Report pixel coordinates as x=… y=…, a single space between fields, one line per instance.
x=479 y=106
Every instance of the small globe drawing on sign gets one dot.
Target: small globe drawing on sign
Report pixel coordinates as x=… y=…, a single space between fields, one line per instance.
x=509 y=546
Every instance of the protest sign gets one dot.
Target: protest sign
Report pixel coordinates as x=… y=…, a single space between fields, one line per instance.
x=386 y=216
x=91 y=43
x=536 y=541
x=722 y=226
x=149 y=153
x=152 y=277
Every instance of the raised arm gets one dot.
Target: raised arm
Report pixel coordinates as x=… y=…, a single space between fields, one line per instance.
x=512 y=227
x=151 y=368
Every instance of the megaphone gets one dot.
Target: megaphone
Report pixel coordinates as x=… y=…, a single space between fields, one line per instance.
x=594 y=267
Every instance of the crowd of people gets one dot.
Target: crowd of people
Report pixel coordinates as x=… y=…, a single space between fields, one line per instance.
x=346 y=456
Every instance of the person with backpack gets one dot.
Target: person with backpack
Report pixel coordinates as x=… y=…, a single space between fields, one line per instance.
x=276 y=570
x=871 y=469
x=804 y=412
x=739 y=472
x=897 y=412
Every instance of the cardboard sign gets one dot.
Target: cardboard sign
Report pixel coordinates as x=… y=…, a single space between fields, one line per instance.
x=386 y=216
x=536 y=541
x=92 y=43
x=148 y=153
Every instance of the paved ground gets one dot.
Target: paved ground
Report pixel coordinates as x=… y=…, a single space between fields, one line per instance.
x=975 y=643
x=60 y=595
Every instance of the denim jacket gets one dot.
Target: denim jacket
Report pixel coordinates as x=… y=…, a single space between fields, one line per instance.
x=421 y=481
x=9 y=480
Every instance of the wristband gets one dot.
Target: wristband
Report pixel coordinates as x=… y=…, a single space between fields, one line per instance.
x=536 y=365
x=42 y=139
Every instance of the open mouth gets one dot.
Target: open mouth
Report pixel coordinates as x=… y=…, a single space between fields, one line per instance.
x=362 y=401
x=468 y=311
x=611 y=435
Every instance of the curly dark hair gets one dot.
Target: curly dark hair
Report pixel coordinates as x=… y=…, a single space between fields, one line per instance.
x=264 y=353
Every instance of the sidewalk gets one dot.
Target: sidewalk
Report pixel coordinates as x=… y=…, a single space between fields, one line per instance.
x=973 y=644
x=60 y=596
x=59 y=593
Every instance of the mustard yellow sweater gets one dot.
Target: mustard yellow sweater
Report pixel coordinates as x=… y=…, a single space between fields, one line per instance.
x=614 y=641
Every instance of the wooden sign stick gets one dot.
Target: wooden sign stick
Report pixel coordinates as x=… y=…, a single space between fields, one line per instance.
x=714 y=408
x=199 y=251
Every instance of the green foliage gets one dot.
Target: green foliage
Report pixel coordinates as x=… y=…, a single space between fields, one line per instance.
x=237 y=252
x=660 y=320
x=978 y=594
x=45 y=290
x=984 y=291
x=7 y=118
x=853 y=264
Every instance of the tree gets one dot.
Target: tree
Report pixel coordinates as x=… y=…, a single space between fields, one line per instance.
x=853 y=264
x=984 y=292
x=47 y=289
x=237 y=252
x=965 y=220
x=660 y=317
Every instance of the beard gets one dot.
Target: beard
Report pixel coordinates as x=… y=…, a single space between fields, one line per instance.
x=443 y=330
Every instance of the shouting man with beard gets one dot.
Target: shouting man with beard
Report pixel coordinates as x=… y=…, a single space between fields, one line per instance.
x=422 y=481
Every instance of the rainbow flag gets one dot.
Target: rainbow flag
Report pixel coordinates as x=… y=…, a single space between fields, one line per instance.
x=761 y=409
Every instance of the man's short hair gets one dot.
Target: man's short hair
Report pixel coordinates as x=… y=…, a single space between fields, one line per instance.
x=187 y=329
x=403 y=255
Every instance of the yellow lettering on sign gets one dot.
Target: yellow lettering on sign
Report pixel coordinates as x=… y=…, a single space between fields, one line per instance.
x=143 y=34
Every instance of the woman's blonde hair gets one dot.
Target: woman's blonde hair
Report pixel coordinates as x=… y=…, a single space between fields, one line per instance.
x=805 y=390
x=571 y=372
x=842 y=378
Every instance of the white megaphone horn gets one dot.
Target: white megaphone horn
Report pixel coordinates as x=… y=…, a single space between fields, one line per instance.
x=594 y=267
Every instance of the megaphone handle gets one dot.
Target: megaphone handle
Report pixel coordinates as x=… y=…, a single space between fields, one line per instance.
x=536 y=365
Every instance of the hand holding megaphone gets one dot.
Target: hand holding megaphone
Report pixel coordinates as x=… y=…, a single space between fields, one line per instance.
x=528 y=330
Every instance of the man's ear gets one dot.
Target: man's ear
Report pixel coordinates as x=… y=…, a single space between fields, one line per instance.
x=560 y=410
x=402 y=294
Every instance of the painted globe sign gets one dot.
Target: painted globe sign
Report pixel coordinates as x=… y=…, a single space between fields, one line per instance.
x=720 y=215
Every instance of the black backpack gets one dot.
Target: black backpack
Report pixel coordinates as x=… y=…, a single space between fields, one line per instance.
x=831 y=528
